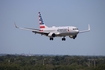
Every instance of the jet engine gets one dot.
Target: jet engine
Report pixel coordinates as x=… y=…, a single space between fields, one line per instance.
x=71 y=36
x=51 y=35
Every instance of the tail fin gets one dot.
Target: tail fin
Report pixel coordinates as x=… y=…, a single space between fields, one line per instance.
x=42 y=25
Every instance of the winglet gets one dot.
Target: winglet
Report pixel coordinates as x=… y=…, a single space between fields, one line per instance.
x=88 y=27
x=85 y=30
x=16 y=25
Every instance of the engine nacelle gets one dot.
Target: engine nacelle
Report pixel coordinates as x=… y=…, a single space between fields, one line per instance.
x=51 y=35
x=71 y=36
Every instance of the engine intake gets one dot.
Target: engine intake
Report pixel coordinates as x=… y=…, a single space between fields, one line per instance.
x=71 y=36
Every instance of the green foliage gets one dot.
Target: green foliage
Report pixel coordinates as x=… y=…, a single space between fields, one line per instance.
x=12 y=62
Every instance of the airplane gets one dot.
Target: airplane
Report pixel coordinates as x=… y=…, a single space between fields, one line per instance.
x=53 y=31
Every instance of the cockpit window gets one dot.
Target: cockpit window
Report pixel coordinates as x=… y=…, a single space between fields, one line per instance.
x=75 y=28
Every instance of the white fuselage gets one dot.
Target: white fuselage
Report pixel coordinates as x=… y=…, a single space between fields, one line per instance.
x=63 y=31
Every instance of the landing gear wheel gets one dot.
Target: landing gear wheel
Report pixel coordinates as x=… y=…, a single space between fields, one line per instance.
x=74 y=36
x=63 y=39
x=51 y=38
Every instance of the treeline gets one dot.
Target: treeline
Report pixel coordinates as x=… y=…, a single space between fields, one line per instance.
x=20 y=62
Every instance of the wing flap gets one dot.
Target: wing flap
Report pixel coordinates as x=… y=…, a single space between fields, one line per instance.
x=40 y=32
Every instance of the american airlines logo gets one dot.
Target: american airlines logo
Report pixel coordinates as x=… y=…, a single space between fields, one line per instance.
x=62 y=30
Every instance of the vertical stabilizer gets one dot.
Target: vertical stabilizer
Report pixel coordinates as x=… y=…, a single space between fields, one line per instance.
x=41 y=23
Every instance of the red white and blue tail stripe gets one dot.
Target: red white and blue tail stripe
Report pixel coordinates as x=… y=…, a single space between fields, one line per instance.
x=42 y=25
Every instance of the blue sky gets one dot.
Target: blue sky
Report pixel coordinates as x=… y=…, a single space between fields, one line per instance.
x=77 y=13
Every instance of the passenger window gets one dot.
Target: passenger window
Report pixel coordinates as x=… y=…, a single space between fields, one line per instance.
x=75 y=28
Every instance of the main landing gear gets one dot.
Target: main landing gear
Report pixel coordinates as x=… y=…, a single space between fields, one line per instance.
x=63 y=39
x=51 y=38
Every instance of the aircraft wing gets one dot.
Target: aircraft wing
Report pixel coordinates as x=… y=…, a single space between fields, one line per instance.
x=85 y=30
x=32 y=29
x=40 y=32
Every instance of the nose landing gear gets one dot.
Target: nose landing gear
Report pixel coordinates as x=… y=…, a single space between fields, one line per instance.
x=74 y=36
